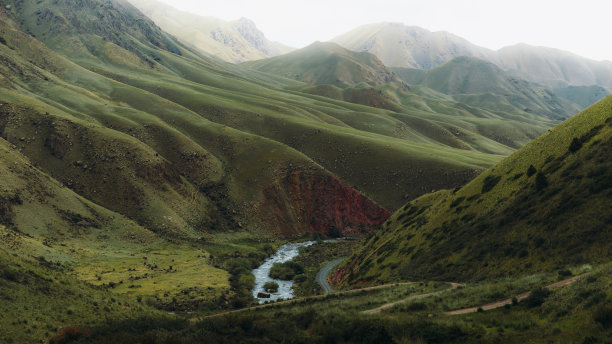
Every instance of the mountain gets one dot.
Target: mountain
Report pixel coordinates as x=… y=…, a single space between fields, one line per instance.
x=542 y=208
x=327 y=63
x=553 y=67
x=482 y=91
x=233 y=41
x=398 y=45
x=480 y=83
x=582 y=95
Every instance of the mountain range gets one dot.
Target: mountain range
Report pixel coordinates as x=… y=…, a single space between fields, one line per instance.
x=233 y=41
x=143 y=175
x=398 y=45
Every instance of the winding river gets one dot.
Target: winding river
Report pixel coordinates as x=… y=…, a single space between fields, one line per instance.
x=284 y=254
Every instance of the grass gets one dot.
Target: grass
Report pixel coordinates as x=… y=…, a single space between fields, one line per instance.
x=574 y=313
x=504 y=222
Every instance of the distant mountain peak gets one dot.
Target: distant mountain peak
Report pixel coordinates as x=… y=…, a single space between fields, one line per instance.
x=233 y=41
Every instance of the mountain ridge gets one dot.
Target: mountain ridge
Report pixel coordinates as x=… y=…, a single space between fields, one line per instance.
x=232 y=41
x=399 y=45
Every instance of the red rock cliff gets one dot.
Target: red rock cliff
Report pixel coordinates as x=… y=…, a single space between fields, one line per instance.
x=307 y=201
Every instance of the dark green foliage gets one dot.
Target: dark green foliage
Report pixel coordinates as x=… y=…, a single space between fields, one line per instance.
x=603 y=315
x=489 y=183
x=537 y=297
x=457 y=201
x=271 y=287
x=286 y=271
x=540 y=182
x=334 y=232
x=575 y=145
x=2 y=40
x=531 y=171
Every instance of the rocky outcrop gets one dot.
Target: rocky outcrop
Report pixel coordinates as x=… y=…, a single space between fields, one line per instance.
x=303 y=201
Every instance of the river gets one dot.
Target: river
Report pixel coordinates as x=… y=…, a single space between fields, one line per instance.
x=284 y=254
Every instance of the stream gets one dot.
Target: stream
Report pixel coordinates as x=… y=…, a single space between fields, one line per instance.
x=284 y=254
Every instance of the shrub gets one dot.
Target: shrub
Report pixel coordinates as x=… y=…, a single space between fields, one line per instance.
x=286 y=271
x=271 y=287
x=334 y=232
x=541 y=182
x=603 y=315
x=489 y=183
x=575 y=145
x=2 y=41
x=537 y=297
x=531 y=171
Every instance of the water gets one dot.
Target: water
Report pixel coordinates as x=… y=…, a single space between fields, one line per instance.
x=284 y=254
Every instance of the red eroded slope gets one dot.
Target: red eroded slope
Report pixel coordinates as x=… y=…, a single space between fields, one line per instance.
x=307 y=201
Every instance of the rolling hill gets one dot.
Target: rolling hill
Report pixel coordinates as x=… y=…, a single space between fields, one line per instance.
x=327 y=63
x=482 y=84
x=234 y=41
x=399 y=45
x=543 y=208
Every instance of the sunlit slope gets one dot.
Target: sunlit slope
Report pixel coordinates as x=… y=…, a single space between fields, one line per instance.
x=398 y=45
x=198 y=101
x=544 y=207
x=327 y=63
x=492 y=118
x=232 y=41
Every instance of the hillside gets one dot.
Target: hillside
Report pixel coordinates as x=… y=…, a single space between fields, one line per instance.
x=543 y=208
x=482 y=84
x=327 y=63
x=553 y=67
x=511 y=112
x=233 y=41
x=399 y=45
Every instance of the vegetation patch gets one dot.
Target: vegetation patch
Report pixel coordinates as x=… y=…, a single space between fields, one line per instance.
x=286 y=271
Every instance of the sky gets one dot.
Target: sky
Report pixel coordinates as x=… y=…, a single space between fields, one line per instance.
x=583 y=27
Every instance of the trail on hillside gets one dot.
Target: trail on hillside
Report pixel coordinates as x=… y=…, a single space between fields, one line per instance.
x=484 y=307
x=414 y=297
x=316 y=297
x=322 y=274
x=519 y=297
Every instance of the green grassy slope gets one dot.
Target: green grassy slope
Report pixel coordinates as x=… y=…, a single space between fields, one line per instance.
x=327 y=63
x=208 y=110
x=582 y=95
x=544 y=207
x=480 y=83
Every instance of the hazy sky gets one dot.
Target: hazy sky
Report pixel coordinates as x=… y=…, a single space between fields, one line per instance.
x=583 y=27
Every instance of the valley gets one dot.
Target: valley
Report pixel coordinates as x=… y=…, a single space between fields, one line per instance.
x=152 y=159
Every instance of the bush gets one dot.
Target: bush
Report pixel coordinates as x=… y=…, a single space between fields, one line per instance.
x=531 y=171
x=271 y=287
x=541 y=182
x=603 y=315
x=537 y=297
x=490 y=182
x=575 y=145
x=286 y=271
x=334 y=232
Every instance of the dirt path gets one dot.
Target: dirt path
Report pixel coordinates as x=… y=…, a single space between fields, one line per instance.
x=322 y=274
x=519 y=297
x=391 y=304
x=300 y=299
x=414 y=297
